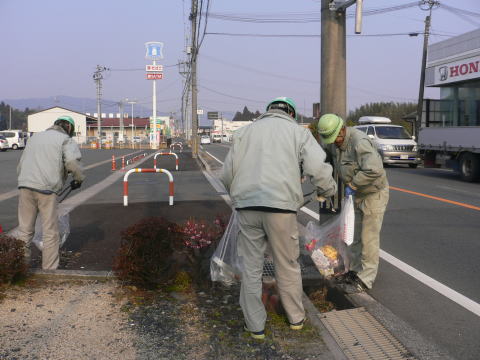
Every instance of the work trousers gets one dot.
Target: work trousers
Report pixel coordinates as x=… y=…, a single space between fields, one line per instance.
x=365 y=249
x=31 y=203
x=281 y=232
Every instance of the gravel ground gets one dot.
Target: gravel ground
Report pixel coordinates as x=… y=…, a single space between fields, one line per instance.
x=88 y=319
x=59 y=319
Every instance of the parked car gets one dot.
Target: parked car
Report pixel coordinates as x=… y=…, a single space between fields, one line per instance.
x=394 y=143
x=15 y=138
x=205 y=139
x=3 y=143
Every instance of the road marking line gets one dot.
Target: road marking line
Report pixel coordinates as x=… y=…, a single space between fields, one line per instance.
x=221 y=162
x=436 y=198
x=9 y=194
x=310 y=212
x=451 y=294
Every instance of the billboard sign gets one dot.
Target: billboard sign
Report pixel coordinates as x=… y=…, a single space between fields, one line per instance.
x=154 y=68
x=212 y=115
x=154 y=76
x=154 y=50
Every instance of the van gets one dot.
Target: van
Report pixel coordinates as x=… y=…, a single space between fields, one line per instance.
x=394 y=143
x=15 y=138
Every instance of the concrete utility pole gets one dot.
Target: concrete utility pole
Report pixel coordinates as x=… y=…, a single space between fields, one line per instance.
x=424 y=5
x=193 y=19
x=10 y=118
x=97 y=77
x=122 y=128
x=333 y=82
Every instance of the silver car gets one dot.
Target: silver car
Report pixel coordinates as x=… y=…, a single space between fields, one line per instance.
x=3 y=143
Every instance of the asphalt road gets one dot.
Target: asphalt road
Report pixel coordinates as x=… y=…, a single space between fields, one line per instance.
x=440 y=239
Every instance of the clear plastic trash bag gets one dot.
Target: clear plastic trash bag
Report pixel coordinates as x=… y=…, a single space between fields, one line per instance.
x=63 y=228
x=226 y=265
x=328 y=243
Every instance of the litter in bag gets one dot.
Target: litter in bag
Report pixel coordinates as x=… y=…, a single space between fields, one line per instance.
x=63 y=228
x=226 y=265
x=327 y=242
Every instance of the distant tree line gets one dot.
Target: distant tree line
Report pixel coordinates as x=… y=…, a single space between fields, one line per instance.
x=19 y=118
x=392 y=110
x=247 y=115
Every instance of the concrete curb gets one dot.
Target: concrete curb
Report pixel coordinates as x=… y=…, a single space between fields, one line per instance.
x=73 y=274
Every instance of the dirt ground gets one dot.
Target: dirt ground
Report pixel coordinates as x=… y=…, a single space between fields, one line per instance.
x=91 y=319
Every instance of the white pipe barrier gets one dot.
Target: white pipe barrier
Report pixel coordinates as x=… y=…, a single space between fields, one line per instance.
x=176 y=144
x=140 y=170
x=165 y=153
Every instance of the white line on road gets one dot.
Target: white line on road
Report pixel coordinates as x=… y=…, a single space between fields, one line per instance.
x=221 y=162
x=460 y=299
x=451 y=294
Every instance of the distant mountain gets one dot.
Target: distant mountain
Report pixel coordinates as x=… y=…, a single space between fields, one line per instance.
x=82 y=105
x=87 y=105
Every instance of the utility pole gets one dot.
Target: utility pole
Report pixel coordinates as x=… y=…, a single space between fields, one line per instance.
x=333 y=82
x=427 y=5
x=10 y=118
x=131 y=102
x=120 y=109
x=193 y=69
x=97 y=77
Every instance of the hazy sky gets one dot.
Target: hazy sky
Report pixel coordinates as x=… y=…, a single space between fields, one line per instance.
x=51 y=48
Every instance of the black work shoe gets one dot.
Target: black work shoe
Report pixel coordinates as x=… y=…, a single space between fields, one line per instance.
x=353 y=287
x=259 y=335
x=298 y=325
x=348 y=277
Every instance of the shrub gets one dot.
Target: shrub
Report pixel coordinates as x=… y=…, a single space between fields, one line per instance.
x=12 y=259
x=155 y=251
x=145 y=254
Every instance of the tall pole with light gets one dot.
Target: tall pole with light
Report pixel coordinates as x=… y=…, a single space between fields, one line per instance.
x=131 y=102
x=154 y=72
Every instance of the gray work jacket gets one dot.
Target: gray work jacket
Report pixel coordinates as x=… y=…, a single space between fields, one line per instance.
x=47 y=159
x=262 y=168
x=359 y=163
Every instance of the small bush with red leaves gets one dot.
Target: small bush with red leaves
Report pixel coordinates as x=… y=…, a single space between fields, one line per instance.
x=146 y=251
x=12 y=259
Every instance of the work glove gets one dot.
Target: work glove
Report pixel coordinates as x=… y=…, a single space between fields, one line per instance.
x=349 y=190
x=74 y=184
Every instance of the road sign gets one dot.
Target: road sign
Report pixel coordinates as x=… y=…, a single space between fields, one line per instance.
x=154 y=50
x=212 y=115
x=154 y=76
x=154 y=68
x=199 y=111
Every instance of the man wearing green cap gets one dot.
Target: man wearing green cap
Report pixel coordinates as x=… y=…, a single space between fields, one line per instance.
x=360 y=167
x=46 y=161
x=262 y=175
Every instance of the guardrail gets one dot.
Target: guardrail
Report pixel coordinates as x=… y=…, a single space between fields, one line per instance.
x=140 y=170
x=165 y=153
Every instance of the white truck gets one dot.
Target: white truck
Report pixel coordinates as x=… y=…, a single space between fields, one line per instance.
x=455 y=147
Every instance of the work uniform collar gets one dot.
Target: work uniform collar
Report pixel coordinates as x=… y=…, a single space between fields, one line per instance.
x=277 y=113
x=58 y=128
x=346 y=141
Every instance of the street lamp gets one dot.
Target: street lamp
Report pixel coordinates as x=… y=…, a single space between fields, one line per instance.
x=131 y=102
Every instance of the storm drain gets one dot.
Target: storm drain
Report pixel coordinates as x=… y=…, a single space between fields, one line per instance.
x=361 y=336
x=308 y=268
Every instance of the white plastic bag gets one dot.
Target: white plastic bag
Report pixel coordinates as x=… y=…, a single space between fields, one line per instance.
x=63 y=228
x=327 y=243
x=226 y=265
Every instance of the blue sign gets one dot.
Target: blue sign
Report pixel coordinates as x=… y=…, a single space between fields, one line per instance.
x=154 y=50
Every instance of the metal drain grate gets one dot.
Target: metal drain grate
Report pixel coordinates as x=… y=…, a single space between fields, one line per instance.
x=308 y=268
x=361 y=336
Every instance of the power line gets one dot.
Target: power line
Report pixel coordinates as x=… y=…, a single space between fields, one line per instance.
x=413 y=33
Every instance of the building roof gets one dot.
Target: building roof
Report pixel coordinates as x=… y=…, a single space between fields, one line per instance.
x=59 y=107
x=127 y=122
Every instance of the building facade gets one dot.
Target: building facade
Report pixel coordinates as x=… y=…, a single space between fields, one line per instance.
x=453 y=65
